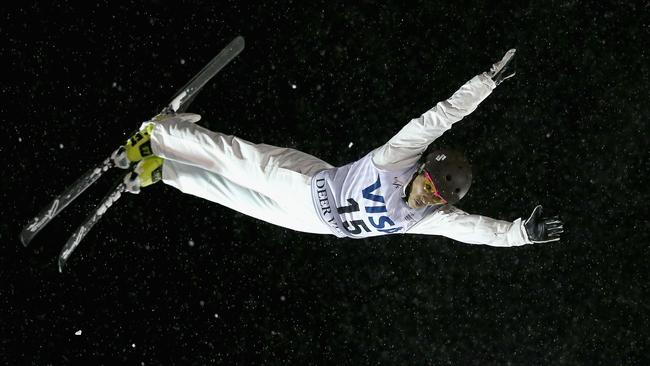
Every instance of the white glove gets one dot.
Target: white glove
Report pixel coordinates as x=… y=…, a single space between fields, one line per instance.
x=503 y=69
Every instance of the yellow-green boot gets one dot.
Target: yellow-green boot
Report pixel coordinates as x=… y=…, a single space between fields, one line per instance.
x=136 y=148
x=147 y=172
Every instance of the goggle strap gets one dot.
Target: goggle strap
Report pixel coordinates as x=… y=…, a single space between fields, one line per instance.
x=436 y=193
x=426 y=174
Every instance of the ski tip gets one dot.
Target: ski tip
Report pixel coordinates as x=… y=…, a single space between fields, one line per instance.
x=239 y=43
x=61 y=265
x=63 y=259
x=24 y=239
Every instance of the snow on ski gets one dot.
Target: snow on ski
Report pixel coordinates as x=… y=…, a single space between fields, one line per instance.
x=179 y=103
x=63 y=200
x=74 y=240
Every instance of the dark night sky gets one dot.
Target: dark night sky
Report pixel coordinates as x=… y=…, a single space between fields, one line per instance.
x=167 y=278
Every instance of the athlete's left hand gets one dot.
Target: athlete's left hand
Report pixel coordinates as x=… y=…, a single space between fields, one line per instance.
x=543 y=229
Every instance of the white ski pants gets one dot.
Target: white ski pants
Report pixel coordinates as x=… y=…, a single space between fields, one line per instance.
x=266 y=182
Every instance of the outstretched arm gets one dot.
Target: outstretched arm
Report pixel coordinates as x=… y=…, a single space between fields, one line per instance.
x=456 y=224
x=405 y=148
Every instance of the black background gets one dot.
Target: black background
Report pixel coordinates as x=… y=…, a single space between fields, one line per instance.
x=167 y=278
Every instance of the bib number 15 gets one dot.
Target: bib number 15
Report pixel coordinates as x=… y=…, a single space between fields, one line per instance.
x=354 y=227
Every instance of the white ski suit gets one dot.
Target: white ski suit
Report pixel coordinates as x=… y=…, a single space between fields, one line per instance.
x=275 y=184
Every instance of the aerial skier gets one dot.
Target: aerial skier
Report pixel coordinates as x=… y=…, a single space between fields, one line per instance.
x=397 y=188
x=394 y=189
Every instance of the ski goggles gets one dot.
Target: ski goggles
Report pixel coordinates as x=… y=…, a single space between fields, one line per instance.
x=429 y=187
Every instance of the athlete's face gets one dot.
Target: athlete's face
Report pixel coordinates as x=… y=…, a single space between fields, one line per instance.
x=424 y=192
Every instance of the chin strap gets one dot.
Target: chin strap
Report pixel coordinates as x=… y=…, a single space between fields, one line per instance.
x=543 y=229
x=406 y=191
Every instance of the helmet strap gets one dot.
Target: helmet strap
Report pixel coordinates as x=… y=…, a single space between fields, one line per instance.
x=407 y=188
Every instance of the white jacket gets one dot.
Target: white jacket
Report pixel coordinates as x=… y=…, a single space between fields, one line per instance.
x=405 y=149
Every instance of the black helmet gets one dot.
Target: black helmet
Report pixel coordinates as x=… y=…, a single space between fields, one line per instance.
x=450 y=172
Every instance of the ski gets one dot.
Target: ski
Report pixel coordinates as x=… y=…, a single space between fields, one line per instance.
x=187 y=93
x=178 y=104
x=92 y=218
x=63 y=200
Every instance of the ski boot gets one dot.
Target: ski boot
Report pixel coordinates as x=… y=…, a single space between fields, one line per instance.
x=147 y=172
x=504 y=69
x=136 y=148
